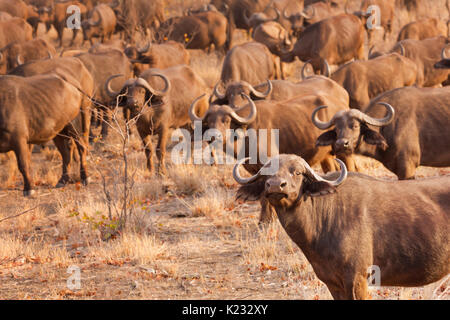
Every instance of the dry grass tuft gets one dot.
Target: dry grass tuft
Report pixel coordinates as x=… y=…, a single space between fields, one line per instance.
x=46 y=175
x=9 y=173
x=14 y=249
x=188 y=179
x=142 y=249
x=211 y=205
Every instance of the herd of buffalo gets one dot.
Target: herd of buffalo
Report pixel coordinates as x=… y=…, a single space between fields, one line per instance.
x=391 y=105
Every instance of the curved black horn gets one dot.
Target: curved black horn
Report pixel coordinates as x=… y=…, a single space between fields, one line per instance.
x=192 y=112
x=237 y=176
x=374 y=121
x=143 y=83
x=108 y=89
x=251 y=117
x=262 y=95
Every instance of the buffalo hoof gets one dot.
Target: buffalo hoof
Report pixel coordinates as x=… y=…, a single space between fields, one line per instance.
x=61 y=184
x=29 y=193
x=162 y=172
x=86 y=181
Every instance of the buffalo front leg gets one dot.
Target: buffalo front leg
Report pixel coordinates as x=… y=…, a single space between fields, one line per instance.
x=350 y=162
x=23 y=156
x=106 y=122
x=148 y=148
x=161 y=149
x=328 y=164
x=267 y=212
x=127 y=117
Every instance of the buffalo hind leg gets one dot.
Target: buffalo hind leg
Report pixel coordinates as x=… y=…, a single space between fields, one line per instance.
x=23 y=156
x=106 y=122
x=64 y=146
x=82 y=152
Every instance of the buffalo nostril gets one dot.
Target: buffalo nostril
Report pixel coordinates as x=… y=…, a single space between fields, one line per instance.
x=283 y=184
x=346 y=144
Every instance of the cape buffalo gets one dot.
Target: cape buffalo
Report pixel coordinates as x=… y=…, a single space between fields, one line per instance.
x=444 y=63
x=15 y=29
x=26 y=119
x=101 y=23
x=325 y=40
x=274 y=36
x=364 y=80
x=157 y=111
x=418 y=134
x=423 y=29
x=59 y=18
x=347 y=224
x=138 y=15
x=279 y=90
x=198 y=31
x=17 y=53
x=71 y=68
x=251 y=62
x=160 y=56
x=311 y=14
x=380 y=15
x=425 y=53
x=102 y=65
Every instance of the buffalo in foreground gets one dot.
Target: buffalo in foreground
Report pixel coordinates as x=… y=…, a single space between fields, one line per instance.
x=401 y=227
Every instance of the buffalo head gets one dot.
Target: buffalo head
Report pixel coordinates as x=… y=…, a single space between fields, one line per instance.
x=138 y=57
x=224 y=117
x=235 y=91
x=91 y=27
x=258 y=18
x=138 y=93
x=350 y=128
x=445 y=62
x=299 y=20
x=292 y=180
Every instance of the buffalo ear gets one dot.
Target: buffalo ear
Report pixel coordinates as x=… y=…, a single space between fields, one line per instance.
x=252 y=191
x=146 y=59
x=443 y=64
x=317 y=188
x=327 y=138
x=374 y=138
x=121 y=99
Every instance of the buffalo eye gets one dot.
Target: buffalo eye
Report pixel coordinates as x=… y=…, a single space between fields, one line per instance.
x=294 y=172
